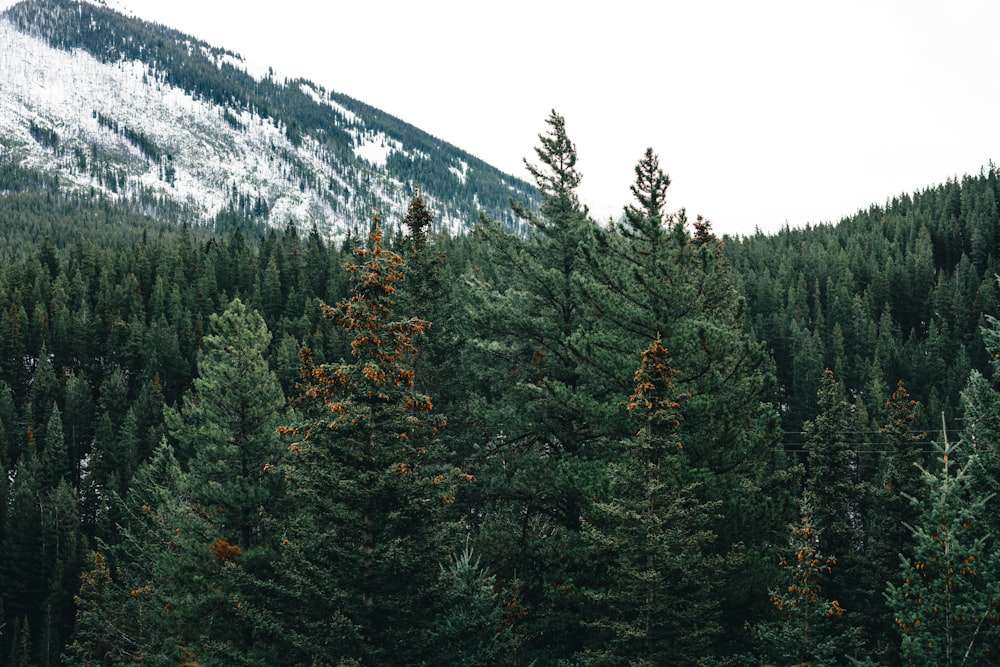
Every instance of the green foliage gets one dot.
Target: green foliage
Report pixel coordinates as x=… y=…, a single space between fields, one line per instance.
x=906 y=281
x=545 y=412
x=807 y=630
x=657 y=602
x=981 y=402
x=226 y=427
x=945 y=594
x=831 y=488
x=655 y=276
x=891 y=514
x=363 y=534
x=468 y=628
x=143 y=369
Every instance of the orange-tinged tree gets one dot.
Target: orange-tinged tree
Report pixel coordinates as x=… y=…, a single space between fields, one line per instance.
x=657 y=602
x=892 y=512
x=808 y=628
x=364 y=530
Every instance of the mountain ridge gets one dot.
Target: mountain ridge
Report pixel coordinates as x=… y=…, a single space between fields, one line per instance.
x=145 y=113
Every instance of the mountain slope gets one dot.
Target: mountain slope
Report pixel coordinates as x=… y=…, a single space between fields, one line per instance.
x=149 y=115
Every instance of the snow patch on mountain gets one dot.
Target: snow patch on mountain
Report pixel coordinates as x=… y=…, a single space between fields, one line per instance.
x=77 y=97
x=117 y=128
x=460 y=171
x=375 y=148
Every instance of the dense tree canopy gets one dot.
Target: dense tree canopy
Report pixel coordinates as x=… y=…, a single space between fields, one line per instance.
x=583 y=444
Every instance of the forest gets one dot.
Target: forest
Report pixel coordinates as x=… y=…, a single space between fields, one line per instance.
x=623 y=442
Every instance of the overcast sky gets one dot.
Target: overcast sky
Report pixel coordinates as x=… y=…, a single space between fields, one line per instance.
x=762 y=112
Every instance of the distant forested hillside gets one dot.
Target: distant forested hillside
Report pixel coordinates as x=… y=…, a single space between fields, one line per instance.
x=896 y=292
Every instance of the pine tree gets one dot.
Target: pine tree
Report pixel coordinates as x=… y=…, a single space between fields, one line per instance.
x=945 y=596
x=468 y=627
x=56 y=465
x=425 y=292
x=806 y=630
x=63 y=551
x=418 y=220
x=892 y=513
x=649 y=277
x=364 y=537
x=79 y=423
x=44 y=395
x=128 y=618
x=831 y=489
x=652 y=278
x=981 y=412
x=92 y=642
x=22 y=568
x=655 y=604
x=169 y=598
x=226 y=426
x=545 y=416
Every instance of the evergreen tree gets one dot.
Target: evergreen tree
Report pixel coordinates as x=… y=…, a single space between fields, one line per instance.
x=63 y=551
x=426 y=293
x=656 y=604
x=981 y=410
x=22 y=568
x=13 y=348
x=652 y=278
x=364 y=536
x=418 y=220
x=225 y=427
x=128 y=617
x=91 y=643
x=169 y=597
x=44 y=395
x=12 y=434
x=892 y=513
x=806 y=631
x=945 y=595
x=55 y=458
x=545 y=416
x=832 y=491
x=468 y=627
x=78 y=423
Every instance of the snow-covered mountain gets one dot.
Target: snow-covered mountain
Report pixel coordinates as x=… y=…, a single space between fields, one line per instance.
x=178 y=128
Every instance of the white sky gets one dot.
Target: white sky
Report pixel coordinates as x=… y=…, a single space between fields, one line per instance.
x=762 y=112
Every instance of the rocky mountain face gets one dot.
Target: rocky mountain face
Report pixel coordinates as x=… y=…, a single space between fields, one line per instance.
x=143 y=114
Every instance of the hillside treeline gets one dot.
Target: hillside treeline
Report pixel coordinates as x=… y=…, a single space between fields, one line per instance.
x=633 y=443
x=895 y=291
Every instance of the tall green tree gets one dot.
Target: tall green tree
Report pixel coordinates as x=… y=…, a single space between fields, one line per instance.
x=79 y=422
x=892 y=513
x=427 y=293
x=153 y=594
x=981 y=411
x=418 y=221
x=182 y=534
x=532 y=313
x=22 y=567
x=805 y=630
x=226 y=426
x=543 y=417
x=363 y=536
x=945 y=595
x=654 y=274
x=832 y=490
x=655 y=604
